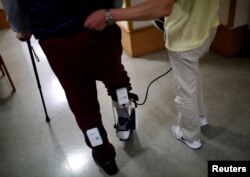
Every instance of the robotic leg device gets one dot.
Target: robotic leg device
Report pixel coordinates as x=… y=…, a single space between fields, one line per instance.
x=125 y=114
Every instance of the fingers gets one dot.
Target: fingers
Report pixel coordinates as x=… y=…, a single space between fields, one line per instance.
x=96 y=20
x=89 y=22
x=92 y=23
x=23 y=36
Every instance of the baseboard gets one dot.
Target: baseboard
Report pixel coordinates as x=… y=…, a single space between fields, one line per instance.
x=142 y=41
x=229 y=42
x=3 y=21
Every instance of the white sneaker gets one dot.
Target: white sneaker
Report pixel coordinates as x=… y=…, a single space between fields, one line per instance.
x=203 y=120
x=177 y=133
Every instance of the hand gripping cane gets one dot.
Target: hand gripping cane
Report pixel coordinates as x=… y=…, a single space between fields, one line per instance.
x=31 y=50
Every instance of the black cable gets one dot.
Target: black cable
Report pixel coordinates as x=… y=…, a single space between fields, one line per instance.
x=146 y=95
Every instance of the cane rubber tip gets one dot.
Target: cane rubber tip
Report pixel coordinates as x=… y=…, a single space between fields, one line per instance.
x=47 y=119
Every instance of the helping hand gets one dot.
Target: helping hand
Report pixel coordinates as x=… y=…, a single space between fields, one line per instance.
x=23 y=36
x=96 y=20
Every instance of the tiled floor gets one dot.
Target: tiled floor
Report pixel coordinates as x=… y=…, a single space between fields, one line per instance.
x=30 y=147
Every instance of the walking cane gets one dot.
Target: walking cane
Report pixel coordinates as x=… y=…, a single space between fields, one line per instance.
x=31 y=50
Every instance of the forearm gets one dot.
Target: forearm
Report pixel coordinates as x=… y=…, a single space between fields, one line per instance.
x=147 y=10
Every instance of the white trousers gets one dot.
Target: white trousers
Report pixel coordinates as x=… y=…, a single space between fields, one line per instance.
x=188 y=88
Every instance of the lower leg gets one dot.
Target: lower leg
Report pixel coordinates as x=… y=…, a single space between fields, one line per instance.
x=105 y=150
x=125 y=115
x=185 y=79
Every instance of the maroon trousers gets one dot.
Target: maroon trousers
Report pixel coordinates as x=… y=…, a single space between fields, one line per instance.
x=79 y=60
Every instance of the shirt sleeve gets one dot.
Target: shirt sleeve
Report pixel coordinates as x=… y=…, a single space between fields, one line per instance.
x=16 y=16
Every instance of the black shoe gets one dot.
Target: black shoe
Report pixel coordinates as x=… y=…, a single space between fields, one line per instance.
x=109 y=167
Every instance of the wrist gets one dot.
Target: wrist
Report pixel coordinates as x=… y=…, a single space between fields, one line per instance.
x=109 y=18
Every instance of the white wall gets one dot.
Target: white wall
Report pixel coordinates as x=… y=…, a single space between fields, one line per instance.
x=223 y=12
x=1 y=6
x=242 y=13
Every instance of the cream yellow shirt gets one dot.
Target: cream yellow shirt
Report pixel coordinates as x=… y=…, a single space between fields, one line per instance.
x=189 y=24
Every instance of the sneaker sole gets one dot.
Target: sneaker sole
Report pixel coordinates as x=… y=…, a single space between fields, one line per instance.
x=184 y=141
